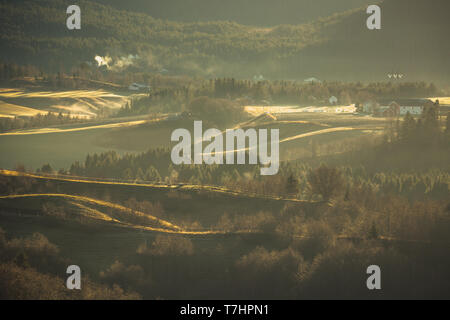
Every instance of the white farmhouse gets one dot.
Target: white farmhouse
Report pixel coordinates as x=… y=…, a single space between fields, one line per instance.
x=369 y=107
x=333 y=100
x=397 y=107
x=138 y=87
x=312 y=80
x=413 y=106
x=411 y=109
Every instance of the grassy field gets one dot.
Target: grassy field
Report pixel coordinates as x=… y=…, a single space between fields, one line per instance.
x=11 y=110
x=96 y=246
x=95 y=232
x=195 y=205
x=442 y=100
x=62 y=145
x=58 y=149
x=82 y=103
x=187 y=240
x=93 y=226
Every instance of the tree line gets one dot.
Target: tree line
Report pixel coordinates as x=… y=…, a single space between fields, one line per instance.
x=295 y=179
x=37 y=121
x=247 y=92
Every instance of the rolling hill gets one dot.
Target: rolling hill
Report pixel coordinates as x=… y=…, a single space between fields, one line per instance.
x=181 y=203
x=82 y=103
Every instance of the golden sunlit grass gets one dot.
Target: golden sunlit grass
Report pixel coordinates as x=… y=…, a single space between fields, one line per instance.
x=329 y=130
x=442 y=100
x=257 y=110
x=86 y=204
x=310 y=134
x=83 y=103
x=20 y=93
x=169 y=187
x=11 y=110
x=81 y=128
x=118 y=214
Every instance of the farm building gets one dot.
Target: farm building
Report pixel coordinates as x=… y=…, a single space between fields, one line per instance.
x=312 y=80
x=413 y=106
x=138 y=87
x=396 y=107
x=333 y=100
x=370 y=106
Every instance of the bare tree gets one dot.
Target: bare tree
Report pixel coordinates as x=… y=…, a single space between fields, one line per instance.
x=326 y=182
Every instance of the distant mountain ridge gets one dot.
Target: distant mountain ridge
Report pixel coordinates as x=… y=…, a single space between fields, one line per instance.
x=413 y=41
x=266 y=13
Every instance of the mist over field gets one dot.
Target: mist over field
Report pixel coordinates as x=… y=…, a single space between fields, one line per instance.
x=224 y=149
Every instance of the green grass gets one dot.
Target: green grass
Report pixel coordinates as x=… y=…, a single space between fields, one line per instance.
x=63 y=148
x=58 y=149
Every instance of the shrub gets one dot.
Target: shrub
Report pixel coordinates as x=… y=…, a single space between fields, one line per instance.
x=131 y=276
x=326 y=182
x=219 y=112
x=267 y=274
x=318 y=237
x=259 y=222
x=168 y=245
x=19 y=283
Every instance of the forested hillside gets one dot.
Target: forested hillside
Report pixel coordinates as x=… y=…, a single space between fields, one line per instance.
x=337 y=47
x=412 y=41
x=247 y=12
x=35 y=32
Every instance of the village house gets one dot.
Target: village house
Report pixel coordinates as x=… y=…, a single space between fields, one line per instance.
x=370 y=106
x=397 y=107
x=333 y=100
x=312 y=80
x=138 y=87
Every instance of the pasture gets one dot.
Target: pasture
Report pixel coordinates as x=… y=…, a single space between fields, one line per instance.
x=81 y=103
x=60 y=146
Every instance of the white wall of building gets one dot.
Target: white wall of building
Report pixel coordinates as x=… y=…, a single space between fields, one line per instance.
x=411 y=109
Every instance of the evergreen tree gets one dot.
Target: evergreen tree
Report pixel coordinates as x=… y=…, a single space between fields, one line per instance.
x=291 y=185
x=140 y=175
x=152 y=174
x=127 y=174
x=408 y=128
x=46 y=168
x=373 y=232
x=447 y=125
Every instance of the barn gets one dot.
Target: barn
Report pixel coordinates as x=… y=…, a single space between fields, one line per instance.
x=400 y=107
